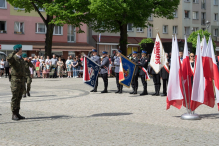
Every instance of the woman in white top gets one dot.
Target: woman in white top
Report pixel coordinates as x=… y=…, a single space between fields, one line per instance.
x=2 y=63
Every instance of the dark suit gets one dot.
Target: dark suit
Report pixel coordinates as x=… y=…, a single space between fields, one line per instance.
x=143 y=64
x=165 y=76
x=136 y=73
x=156 y=79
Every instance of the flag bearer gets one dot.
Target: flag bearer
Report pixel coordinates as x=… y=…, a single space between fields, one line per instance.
x=136 y=73
x=117 y=67
x=96 y=59
x=17 y=80
x=143 y=64
x=27 y=79
x=104 y=70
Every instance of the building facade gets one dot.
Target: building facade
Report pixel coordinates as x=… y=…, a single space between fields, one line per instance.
x=190 y=16
x=29 y=30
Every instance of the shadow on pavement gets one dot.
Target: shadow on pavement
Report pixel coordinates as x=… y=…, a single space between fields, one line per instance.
x=51 y=117
x=109 y=114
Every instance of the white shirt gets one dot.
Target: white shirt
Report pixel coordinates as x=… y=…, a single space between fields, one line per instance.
x=48 y=61
x=2 y=64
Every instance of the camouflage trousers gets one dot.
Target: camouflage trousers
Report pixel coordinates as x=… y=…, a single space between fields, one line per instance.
x=17 y=89
x=27 y=80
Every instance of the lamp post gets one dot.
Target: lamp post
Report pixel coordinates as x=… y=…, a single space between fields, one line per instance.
x=207 y=24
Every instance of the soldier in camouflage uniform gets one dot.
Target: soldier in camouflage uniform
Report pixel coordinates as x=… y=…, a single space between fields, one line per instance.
x=16 y=63
x=28 y=79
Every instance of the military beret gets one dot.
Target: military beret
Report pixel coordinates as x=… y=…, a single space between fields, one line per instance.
x=24 y=55
x=94 y=50
x=144 y=51
x=119 y=51
x=134 y=52
x=18 y=46
x=104 y=52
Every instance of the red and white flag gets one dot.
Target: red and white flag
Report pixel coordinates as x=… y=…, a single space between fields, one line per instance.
x=198 y=88
x=86 y=76
x=121 y=72
x=187 y=74
x=174 y=89
x=158 y=57
x=147 y=77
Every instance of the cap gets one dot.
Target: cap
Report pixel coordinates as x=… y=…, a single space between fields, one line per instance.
x=18 y=46
x=104 y=52
x=134 y=52
x=24 y=55
x=94 y=50
x=144 y=51
x=119 y=51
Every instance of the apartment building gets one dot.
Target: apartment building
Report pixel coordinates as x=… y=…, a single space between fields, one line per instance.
x=190 y=16
x=29 y=30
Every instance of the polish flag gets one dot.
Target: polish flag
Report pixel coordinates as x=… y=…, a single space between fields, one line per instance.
x=198 y=88
x=121 y=72
x=86 y=76
x=187 y=73
x=146 y=73
x=174 y=89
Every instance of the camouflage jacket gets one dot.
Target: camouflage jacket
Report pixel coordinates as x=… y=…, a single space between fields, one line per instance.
x=17 y=65
x=27 y=65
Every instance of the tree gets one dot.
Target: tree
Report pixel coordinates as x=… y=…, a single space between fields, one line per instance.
x=58 y=12
x=193 y=38
x=144 y=42
x=114 y=15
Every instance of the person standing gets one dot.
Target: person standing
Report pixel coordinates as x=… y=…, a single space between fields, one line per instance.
x=104 y=70
x=60 y=65
x=116 y=60
x=74 y=65
x=38 y=68
x=27 y=79
x=136 y=73
x=157 y=84
x=17 y=66
x=143 y=64
x=6 y=68
x=192 y=65
x=96 y=59
x=53 y=64
x=68 y=67
x=2 y=64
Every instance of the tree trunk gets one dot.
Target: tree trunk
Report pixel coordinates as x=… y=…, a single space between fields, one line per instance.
x=49 y=35
x=123 y=39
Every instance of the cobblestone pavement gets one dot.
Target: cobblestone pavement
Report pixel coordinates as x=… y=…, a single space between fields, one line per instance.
x=64 y=112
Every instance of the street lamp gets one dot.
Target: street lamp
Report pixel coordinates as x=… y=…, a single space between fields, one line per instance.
x=207 y=24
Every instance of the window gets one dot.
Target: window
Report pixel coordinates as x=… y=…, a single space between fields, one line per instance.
x=150 y=18
x=149 y=32
x=58 y=30
x=165 y=29
x=3 y=27
x=195 y=1
x=186 y=14
x=203 y=16
x=175 y=14
x=16 y=8
x=3 y=4
x=71 y=33
x=203 y=4
x=195 y=15
x=41 y=9
x=19 y=28
x=215 y=2
x=129 y=27
x=195 y=29
x=187 y=1
x=216 y=32
x=175 y=29
x=140 y=29
x=40 y=28
x=203 y=29
x=216 y=17
x=187 y=30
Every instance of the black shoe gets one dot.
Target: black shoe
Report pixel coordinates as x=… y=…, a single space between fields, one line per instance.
x=92 y=90
x=132 y=92
x=104 y=91
x=19 y=116
x=14 y=116
x=164 y=94
x=117 y=91
x=24 y=95
x=144 y=93
x=154 y=94
x=135 y=91
x=28 y=94
x=120 y=91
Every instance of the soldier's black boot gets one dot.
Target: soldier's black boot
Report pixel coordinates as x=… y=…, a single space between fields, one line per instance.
x=94 y=90
x=144 y=92
x=155 y=86
x=158 y=90
x=120 y=91
x=133 y=90
x=19 y=116
x=14 y=116
x=24 y=95
x=105 y=89
x=28 y=94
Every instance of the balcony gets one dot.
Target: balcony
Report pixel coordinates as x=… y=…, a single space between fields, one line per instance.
x=203 y=22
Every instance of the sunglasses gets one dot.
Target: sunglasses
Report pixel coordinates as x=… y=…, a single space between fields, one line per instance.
x=191 y=56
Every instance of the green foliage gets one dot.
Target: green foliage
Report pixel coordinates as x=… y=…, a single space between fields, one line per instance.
x=193 y=38
x=147 y=40
x=110 y=15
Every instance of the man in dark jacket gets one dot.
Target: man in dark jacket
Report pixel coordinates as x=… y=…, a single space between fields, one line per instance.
x=104 y=70
x=165 y=76
x=143 y=65
x=136 y=73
